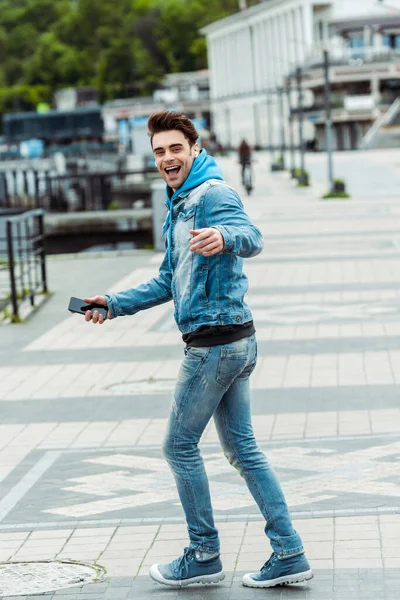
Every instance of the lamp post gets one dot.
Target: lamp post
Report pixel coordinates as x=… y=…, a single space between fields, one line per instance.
x=328 y=119
x=303 y=176
x=282 y=120
x=337 y=188
x=300 y=116
x=270 y=128
x=291 y=132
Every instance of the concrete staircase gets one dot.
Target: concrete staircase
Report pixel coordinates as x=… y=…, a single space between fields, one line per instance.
x=385 y=132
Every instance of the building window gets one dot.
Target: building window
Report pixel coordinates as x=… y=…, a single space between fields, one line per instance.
x=391 y=40
x=356 y=41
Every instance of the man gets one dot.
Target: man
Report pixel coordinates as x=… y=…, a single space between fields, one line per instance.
x=244 y=152
x=208 y=235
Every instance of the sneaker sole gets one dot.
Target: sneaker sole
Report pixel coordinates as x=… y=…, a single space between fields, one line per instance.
x=204 y=579
x=297 y=578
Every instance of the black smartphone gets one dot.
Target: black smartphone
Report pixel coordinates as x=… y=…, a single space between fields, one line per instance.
x=77 y=305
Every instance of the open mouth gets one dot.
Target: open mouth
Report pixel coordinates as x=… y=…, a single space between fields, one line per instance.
x=172 y=170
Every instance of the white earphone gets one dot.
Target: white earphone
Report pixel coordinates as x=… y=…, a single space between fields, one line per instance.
x=155 y=163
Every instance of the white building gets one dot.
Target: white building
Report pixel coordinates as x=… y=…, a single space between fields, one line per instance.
x=253 y=52
x=185 y=92
x=189 y=91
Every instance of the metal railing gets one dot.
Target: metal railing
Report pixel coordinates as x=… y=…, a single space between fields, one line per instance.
x=26 y=259
x=73 y=151
x=31 y=189
x=385 y=118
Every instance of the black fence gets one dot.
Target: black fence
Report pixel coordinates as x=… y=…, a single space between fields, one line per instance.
x=29 y=189
x=70 y=151
x=25 y=262
x=77 y=124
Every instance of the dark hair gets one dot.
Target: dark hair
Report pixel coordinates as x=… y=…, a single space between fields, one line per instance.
x=169 y=120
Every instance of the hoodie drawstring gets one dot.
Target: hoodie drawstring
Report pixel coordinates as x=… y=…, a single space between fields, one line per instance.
x=168 y=227
x=203 y=168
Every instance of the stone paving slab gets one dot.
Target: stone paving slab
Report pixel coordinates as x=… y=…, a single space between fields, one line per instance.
x=272 y=372
x=284 y=340
x=318 y=475
x=356 y=556
x=290 y=400
x=81 y=469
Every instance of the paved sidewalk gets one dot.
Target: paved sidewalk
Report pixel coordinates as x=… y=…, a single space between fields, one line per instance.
x=83 y=410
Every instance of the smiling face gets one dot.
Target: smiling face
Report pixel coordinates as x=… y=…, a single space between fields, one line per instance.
x=174 y=156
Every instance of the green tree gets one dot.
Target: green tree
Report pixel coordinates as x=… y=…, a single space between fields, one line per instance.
x=54 y=63
x=169 y=30
x=111 y=45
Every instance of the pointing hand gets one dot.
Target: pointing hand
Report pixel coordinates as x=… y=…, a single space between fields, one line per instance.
x=207 y=241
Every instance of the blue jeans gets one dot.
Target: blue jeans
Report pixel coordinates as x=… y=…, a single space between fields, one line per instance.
x=214 y=381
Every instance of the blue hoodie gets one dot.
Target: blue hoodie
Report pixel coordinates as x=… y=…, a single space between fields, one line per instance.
x=204 y=167
x=206 y=290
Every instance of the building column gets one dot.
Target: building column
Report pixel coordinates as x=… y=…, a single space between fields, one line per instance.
x=212 y=65
x=292 y=38
x=221 y=70
x=270 y=50
x=235 y=59
x=306 y=14
x=289 y=56
x=228 y=59
x=368 y=40
x=257 y=124
x=223 y=67
x=253 y=57
x=277 y=65
x=246 y=73
x=262 y=53
x=378 y=42
x=228 y=127
x=375 y=91
x=299 y=38
x=283 y=45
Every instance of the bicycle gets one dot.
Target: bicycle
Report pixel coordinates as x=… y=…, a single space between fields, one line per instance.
x=247 y=177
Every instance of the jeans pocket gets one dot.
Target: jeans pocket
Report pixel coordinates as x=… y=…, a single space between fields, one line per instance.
x=230 y=367
x=197 y=352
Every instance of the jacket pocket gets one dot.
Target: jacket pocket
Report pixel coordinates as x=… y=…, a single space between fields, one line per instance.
x=187 y=213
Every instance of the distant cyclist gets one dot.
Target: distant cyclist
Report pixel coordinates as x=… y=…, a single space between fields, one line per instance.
x=244 y=152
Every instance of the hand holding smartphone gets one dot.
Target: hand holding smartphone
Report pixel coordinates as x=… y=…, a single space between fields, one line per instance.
x=88 y=307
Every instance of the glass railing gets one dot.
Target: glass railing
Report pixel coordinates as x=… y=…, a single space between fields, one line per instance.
x=353 y=56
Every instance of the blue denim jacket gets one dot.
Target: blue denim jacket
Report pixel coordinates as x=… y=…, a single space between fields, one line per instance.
x=206 y=290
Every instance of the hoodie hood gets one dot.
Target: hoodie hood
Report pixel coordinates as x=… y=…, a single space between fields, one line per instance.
x=204 y=167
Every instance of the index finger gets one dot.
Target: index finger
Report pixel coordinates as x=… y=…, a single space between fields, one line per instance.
x=201 y=236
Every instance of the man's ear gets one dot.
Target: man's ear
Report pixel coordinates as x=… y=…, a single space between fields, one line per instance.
x=196 y=150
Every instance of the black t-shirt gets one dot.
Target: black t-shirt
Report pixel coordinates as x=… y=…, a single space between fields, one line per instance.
x=217 y=335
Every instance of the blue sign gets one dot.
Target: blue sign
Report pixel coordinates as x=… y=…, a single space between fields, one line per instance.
x=139 y=121
x=32 y=148
x=123 y=132
x=199 y=123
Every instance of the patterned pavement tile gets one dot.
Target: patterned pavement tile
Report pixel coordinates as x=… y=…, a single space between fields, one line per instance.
x=81 y=468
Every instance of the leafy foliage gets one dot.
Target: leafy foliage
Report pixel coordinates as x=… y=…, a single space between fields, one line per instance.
x=114 y=45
